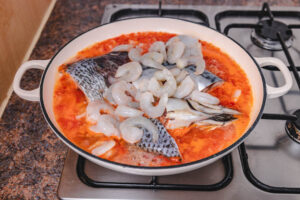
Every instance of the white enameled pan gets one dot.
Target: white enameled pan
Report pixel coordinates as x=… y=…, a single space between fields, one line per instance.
x=250 y=65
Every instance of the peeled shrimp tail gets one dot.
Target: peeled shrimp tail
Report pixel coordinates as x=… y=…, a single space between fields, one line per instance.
x=157 y=88
x=131 y=129
x=129 y=72
x=146 y=101
x=119 y=90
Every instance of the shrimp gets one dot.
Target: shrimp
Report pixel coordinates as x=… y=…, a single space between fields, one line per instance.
x=156 y=86
x=185 y=88
x=107 y=95
x=126 y=111
x=157 y=57
x=175 y=71
x=135 y=54
x=129 y=72
x=93 y=110
x=123 y=47
x=148 y=62
x=191 y=55
x=199 y=62
x=146 y=101
x=181 y=76
x=175 y=51
x=107 y=125
x=102 y=147
x=160 y=47
x=132 y=129
x=119 y=90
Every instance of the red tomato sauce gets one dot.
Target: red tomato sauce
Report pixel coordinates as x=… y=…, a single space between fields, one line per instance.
x=194 y=142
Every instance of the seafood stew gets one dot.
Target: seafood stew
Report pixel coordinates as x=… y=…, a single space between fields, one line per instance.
x=152 y=99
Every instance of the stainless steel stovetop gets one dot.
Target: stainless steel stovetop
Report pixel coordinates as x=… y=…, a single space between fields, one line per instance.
x=273 y=157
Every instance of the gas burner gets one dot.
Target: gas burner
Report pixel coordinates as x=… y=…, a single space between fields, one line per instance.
x=293 y=128
x=265 y=35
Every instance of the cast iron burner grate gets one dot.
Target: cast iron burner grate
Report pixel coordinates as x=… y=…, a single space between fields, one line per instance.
x=154 y=183
x=293 y=127
x=266 y=30
x=265 y=35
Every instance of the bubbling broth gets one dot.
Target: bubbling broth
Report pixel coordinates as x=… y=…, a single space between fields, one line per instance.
x=194 y=142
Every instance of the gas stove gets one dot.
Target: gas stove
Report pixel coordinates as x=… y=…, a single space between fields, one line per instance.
x=265 y=166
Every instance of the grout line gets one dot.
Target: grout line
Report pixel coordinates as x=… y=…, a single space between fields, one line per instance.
x=29 y=51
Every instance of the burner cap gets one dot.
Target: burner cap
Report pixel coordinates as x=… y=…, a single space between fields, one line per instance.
x=293 y=128
x=266 y=35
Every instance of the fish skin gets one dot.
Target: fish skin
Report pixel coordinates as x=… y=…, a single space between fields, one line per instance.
x=165 y=145
x=91 y=75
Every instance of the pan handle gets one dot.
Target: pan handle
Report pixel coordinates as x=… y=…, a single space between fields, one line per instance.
x=30 y=95
x=274 y=92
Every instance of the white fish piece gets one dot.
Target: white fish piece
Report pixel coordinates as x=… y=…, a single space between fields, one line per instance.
x=146 y=101
x=210 y=122
x=185 y=88
x=174 y=124
x=160 y=47
x=119 y=90
x=129 y=72
x=204 y=97
x=123 y=47
x=175 y=51
x=197 y=106
x=103 y=147
x=157 y=88
x=135 y=54
x=176 y=104
x=186 y=115
x=126 y=111
x=183 y=118
x=107 y=125
x=93 y=110
x=132 y=129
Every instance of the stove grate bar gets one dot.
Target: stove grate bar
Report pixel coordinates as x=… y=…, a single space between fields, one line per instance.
x=252 y=14
x=249 y=175
x=289 y=58
x=154 y=183
x=161 y=12
x=273 y=116
x=230 y=26
x=272 y=68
